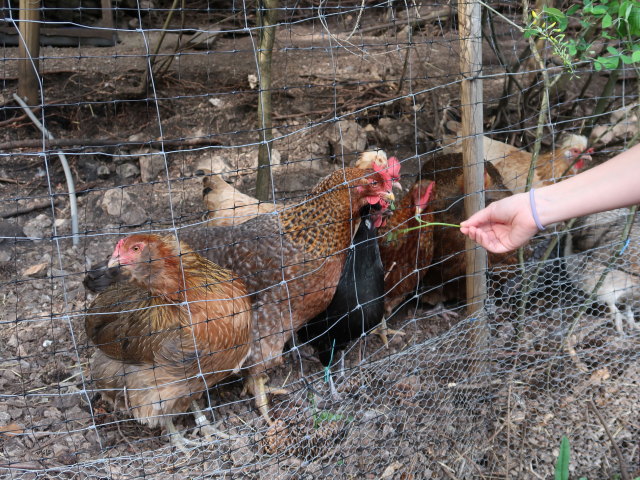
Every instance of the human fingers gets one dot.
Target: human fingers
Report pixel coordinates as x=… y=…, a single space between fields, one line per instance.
x=478 y=219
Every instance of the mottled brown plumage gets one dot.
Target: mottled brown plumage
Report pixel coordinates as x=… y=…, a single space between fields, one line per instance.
x=291 y=260
x=178 y=315
x=448 y=267
x=227 y=205
x=406 y=256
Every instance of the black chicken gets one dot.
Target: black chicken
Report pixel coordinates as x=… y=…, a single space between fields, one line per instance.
x=358 y=303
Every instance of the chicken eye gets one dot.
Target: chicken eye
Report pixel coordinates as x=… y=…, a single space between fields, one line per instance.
x=135 y=248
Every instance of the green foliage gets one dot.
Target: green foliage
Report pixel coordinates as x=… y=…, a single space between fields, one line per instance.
x=616 y=22
x=562 y=463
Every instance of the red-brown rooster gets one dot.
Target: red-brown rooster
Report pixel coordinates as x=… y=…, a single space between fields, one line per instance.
x=178 y=325
x=291 y=261
x=406 y=255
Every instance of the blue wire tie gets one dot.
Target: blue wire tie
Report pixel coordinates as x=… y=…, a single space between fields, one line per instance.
x=327 y=369
x=626 y=244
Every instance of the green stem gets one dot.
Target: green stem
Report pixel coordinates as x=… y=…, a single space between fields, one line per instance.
x=424 y=224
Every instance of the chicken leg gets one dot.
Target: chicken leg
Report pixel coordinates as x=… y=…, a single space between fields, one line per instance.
x=383 y=331
x=256 y=385
x=207 y=430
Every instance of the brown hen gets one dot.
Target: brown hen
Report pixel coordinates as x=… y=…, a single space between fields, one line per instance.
x=178 y=325
x=513 y=163
x=291 y=261
x=406 y=256
x=448 y=268
x=227 y=205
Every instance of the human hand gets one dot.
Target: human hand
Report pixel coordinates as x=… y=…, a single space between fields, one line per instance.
x=503 y=226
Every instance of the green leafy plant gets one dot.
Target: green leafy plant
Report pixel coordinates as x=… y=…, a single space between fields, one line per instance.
x=607 y=21
x=539 y=27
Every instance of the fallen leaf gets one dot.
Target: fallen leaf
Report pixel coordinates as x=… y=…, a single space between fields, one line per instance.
x=11 y=429
x=37 y=270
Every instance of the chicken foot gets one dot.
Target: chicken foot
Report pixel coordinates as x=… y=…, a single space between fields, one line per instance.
x=256 y=385
x=439 y=309
x=203 y=425
x=206 y=428
x=383 y=332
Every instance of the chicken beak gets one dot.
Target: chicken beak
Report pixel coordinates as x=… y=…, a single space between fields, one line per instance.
x=418 y=211
x=389 y=197
x=113 y=261
x=397 y=186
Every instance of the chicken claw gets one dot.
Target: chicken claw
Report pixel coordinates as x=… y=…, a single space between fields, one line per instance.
x=256 y=385
x=439 y=309
x=176 y=438
x=207 y=430
x=383 y=331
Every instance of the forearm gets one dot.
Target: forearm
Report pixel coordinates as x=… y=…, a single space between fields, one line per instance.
x=613 y=184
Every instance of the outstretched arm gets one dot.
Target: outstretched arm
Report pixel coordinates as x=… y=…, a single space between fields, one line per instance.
x=508 y=224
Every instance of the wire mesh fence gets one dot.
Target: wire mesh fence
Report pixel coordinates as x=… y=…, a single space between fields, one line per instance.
x=161 y=114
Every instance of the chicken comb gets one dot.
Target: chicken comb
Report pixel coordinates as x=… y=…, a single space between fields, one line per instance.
x=421 y=195
x=390 y=170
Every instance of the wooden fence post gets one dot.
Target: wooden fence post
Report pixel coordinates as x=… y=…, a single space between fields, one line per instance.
x=470 y=25
x=470 y=28
x=29 y=52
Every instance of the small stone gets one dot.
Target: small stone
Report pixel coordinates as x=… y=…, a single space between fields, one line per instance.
x=347 y=137
x=253 y=81
x=103 y=172
x=216 y=102
x=9 y=229
x=36 y=227
x=127 y=170
x=60 y=222
x=276 y=157
x=118 y=203
x=214 y=164
x=151 y=166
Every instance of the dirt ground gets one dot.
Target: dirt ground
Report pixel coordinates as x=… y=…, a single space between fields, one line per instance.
x=426 y=407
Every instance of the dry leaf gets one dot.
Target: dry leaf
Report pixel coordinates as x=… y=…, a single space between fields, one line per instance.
x=11 y=429
x=37 y=270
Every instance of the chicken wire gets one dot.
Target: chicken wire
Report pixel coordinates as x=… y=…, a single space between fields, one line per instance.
x=435 y=404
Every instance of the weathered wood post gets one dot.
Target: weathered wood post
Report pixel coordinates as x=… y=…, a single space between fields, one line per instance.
x=470 y=25
x=29 y=52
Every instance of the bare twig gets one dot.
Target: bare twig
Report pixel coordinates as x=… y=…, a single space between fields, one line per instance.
x=10 y=180
x=104 y=142
x=38 y=205
x=267 y=17
x=544 y=106
x=624 y=472
x=441 y=12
